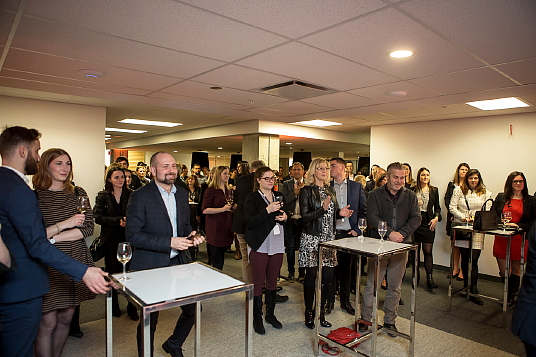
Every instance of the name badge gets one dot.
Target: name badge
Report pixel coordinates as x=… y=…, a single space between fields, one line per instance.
x=276 y=229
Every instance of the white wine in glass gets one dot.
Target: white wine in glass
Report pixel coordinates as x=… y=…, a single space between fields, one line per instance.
x=82 y=204
x=505 y=218
x=382 y=229
x=124 y=253
x=362 y=224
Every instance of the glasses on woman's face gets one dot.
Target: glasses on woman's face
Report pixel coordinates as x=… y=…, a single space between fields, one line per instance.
x=323 y=168
x=268 y=179
x=518 y=181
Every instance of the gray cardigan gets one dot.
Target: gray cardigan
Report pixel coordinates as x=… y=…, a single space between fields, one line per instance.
x=404 y=217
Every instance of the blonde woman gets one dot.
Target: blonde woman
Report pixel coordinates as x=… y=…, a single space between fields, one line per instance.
x=319 y=210
x=217 y=206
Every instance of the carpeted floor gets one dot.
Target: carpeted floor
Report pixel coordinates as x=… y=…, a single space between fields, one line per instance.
x=468 y=330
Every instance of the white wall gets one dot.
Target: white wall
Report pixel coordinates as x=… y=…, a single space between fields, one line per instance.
x=484 y=143
x=78 y=129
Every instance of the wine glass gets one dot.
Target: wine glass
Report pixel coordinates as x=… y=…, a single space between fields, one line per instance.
x=362 y=224
x=382 y=229
x=505 y=218
x=124 y=253
x=229 y=197
x=82 y=205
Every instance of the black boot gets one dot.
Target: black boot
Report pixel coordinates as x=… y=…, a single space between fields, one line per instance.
x=270 y=307
x=310 y=319
x=513 y=287
x=309 y=299
x=323 y=321
x=474 y=290
x=430 y=284
x=258 y=325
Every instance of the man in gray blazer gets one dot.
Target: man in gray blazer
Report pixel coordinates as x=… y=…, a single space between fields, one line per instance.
x=398 y=206
x=158 y=227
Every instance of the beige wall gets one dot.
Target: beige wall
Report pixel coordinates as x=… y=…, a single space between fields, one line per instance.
x=484 y=143
x=78 y=129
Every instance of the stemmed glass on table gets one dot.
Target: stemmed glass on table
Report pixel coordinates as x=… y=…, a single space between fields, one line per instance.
x=124 y=253
x=362 y=224
x=505 y=218
x=382 y=229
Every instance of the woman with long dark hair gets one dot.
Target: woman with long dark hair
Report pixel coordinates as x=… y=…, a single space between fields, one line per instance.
x=319 y=210
x=466 y=200
x=266 y=244
x=110 y=212
x=515 y=199
x=410 y=182
x=67 y=229
x=428 y=198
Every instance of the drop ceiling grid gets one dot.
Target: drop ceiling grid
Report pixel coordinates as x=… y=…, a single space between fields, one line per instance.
x=238 y=77
x=79 y=43
x=377 y=93
x=163 y=23
x=341 y=100
x=522 y=71
x=298 y=107
x=188 y=99
x=495 y=30
x=6 y=20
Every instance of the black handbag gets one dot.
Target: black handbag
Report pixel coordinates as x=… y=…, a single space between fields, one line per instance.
x=485 y=220
x=96 y=249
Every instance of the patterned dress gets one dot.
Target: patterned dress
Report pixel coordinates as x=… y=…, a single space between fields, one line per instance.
x=58 y=206
x=308 y=255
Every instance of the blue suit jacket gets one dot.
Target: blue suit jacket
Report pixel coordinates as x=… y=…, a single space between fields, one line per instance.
x=149 y=229
x=358 y=202
x=23 y=232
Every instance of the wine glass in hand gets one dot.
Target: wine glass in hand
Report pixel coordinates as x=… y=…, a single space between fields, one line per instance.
x=82 y=205
x=362 y=224
x=124 y=253
x=382 y=229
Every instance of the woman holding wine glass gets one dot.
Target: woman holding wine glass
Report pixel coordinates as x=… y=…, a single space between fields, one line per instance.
x=217 y=206
x=67 y=229
x=319 y=210
x=516 y=201
x=465 y=201
x=266 y=246
x=110 y=212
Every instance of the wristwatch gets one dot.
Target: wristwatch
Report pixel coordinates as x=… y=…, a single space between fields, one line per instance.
x=52 y=240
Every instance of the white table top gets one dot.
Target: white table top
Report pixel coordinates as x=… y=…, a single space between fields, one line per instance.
x=369 y=246
x=176 y=282
x=498 y=232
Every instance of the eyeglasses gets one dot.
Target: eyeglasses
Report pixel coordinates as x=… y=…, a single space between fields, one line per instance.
x=518 y=181
x=323 y=168
x=268 y=178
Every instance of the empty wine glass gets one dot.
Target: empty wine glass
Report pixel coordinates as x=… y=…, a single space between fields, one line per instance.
x=362 y=224
x=382 y=229
x=82 y=205
x=124 y=253
x=505 y=218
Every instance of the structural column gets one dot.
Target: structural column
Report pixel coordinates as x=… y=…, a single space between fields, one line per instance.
x=263 y=147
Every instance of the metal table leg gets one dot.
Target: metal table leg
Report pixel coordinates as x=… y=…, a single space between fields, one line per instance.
x=449 y=293
x=109 y=332
x=197 y=345
x=374 y=322
x=506 y=281
x=145 y=336
x=318 y=294
x=249 y=319
x=413 y=301
x=358 y=290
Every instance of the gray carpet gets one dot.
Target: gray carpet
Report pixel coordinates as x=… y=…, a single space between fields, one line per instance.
x=468 y=330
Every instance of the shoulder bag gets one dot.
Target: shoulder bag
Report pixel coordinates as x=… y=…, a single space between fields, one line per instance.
x=96 y=249
x=485 y=220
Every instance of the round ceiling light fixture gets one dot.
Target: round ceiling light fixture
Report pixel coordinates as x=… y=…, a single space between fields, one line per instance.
x=401 y=54
x=396 y=93
x=91 y=73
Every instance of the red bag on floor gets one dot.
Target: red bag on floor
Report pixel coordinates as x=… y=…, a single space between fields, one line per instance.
x=342 y=335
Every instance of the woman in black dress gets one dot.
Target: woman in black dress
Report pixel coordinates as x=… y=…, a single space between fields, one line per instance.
x=428 y=198
x=110 y=212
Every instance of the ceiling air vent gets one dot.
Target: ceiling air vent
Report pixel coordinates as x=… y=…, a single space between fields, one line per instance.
x=296 y=90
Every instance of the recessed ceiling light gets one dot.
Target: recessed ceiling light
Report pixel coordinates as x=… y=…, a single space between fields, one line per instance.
x=215 y=88
x=317 y=122
x=401 y=54
x=149 y=122
x=290 y=148
x=126 y=130
x=396 y=93
x=174 y=150
x=90 y=73
x=495 y=104
x=289 y=143
x=218 y=156
x=220 y=148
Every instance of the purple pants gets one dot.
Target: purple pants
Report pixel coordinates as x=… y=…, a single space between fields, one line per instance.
x=265 y=268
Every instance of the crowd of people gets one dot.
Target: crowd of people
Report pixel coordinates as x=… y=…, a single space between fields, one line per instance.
x=164 y=210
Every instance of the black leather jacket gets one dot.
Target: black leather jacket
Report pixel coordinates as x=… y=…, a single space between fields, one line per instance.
x=312 y=211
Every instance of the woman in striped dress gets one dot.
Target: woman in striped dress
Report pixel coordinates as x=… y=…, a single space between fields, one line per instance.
x=66 y=229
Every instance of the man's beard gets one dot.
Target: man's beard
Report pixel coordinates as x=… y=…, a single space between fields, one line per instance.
x=167 y=180
x=30 y=166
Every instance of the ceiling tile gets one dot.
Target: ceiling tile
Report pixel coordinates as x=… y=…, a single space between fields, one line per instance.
x=290 y=18
x=163 y=23
x=307 y=64
x=181 y=98
x=522 y=71
x=232 y=76
x=340 y=100
x=466 y=81
x=67 y=68
x=377 y=93
x=370 y=39
x=78 y=43
x=10 y=5
x=495 y=30
x=229 y=95
x=6 y=21
x=298 y=107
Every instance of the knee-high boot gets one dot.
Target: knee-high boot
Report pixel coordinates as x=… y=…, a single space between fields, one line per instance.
x=513 y=287
x=270 y=307
x=258 y=325
x=309 y=298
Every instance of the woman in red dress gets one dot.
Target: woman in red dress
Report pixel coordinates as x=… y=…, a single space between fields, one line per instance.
x=217 y=206
x=517 y=200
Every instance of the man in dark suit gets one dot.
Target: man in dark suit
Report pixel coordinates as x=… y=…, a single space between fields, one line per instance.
x=24 y=234
x=291 y=190
x=349 y=194
x=158 y=227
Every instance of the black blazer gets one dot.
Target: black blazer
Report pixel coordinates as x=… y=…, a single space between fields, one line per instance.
x=311 y=209
x=259 y=222
x=433 y=209
x=108 y=214
x=149 y=229
x=448 y=197
x=244 y=185
x=287 y=189
x=528 y=211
